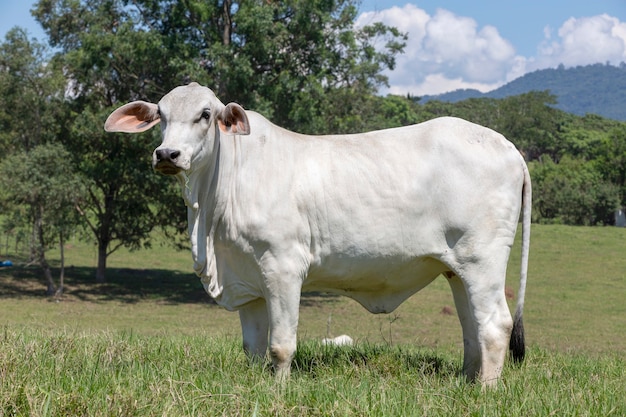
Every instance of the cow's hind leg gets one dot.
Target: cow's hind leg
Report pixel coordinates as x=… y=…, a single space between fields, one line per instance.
x=492 y=319
x=471 y=348
x=254 y=328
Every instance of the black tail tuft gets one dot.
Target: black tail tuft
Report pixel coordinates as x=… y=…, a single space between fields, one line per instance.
x=516 y=345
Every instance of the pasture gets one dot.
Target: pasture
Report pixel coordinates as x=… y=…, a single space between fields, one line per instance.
x=149 y=342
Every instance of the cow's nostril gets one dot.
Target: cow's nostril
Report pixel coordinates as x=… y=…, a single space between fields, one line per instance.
x=166 y=155
x=160 y=154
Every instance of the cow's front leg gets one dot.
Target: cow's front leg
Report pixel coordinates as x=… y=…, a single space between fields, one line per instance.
x=254 y=327
x=283 y=307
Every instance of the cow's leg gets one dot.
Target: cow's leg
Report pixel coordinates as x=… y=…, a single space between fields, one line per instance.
x=254 y=327
x=471 y=349
x=488 y=307
x=283 y=307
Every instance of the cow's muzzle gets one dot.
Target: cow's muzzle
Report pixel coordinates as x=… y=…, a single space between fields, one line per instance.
x=166 y=161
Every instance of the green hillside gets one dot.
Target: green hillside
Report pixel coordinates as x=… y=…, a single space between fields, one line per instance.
x=597 y=89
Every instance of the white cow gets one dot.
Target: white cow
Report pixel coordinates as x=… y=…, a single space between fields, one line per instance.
x=374 y=216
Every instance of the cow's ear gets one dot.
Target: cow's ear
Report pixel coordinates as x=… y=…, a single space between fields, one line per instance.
x=134 y=117
x=233 y=120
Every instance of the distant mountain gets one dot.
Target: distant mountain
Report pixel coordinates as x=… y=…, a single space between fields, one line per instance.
x=598 y=89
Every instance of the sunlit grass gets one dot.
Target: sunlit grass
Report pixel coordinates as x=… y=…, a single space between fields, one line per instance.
x=150 y=342
x=120 y=373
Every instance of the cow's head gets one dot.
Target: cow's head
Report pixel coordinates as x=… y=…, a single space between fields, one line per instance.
x=188 y=117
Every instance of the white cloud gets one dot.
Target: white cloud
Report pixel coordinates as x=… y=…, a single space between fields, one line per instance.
x=446 y=52
x=583 y=41
x=433 y=84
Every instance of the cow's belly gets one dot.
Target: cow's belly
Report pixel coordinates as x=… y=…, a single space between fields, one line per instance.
x=379 y=284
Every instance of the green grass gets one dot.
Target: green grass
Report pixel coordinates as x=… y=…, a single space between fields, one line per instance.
x=123 y=374
x=150 y=342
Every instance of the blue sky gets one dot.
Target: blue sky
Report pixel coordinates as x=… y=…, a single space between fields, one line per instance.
x=478 y=44
x=522 y=22
x=484 y=44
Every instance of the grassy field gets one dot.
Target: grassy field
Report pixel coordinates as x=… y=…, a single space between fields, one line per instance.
x=149 y=342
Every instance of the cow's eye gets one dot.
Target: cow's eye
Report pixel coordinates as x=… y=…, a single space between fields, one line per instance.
x=206 y=115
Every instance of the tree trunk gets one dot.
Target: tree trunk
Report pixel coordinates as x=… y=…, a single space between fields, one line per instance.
x=48 y=274
x=227 y=23
x=34 y=239
x=102 y=263
x=59 y=291
x=40 y=252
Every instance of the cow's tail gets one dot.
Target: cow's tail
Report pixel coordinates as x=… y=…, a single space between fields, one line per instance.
x=516 y=344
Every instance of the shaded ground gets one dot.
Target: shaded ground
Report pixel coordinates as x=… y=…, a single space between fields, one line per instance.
x=126 y=285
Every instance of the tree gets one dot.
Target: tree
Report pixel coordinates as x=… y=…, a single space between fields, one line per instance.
x=611 y=160
x=35 y=173
x=125 y=198
x=531 y=123
x=572 y=192
x=301 y=63
x=108 y=57
x=393 y=111
x=31 y=94
x=41 y=190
